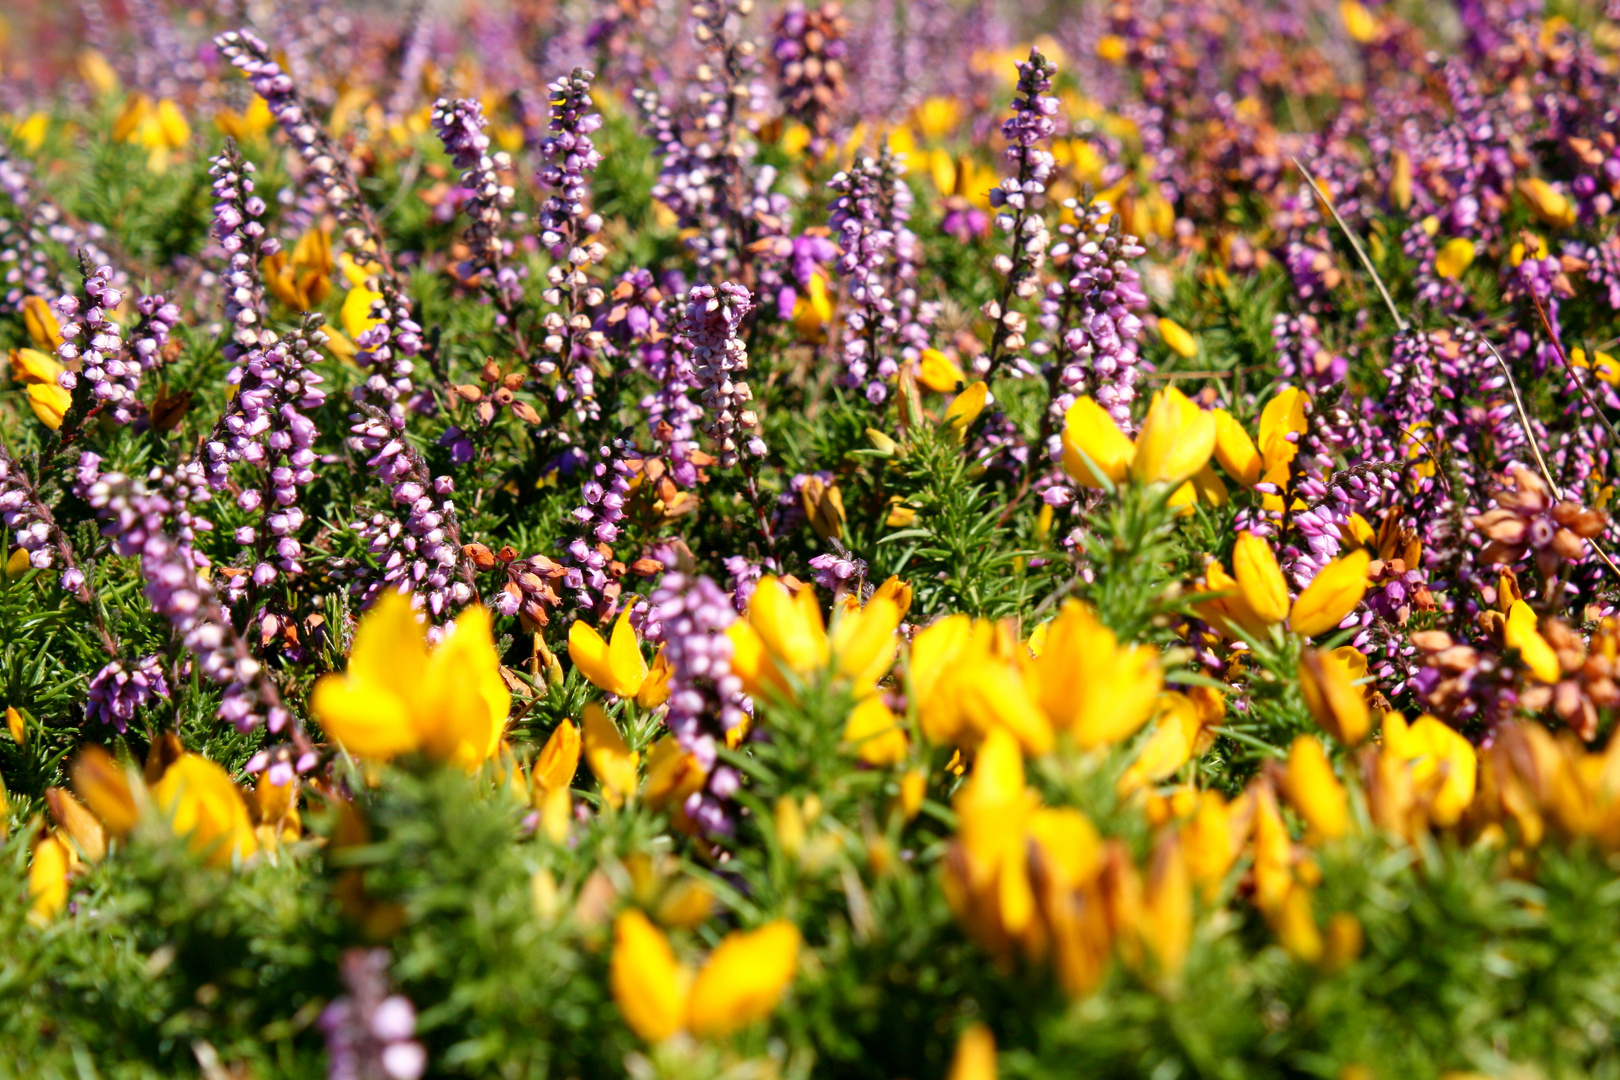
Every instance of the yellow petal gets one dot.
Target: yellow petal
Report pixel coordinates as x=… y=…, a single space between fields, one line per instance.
x=673 y=774
x=1315 y=792
x=975 y=1057
x=1176 y=440
x=1092 y=441
x=874 y=733
x=1519 y=632
x=789 y=625
x=863 y=642
x=559 y=758
x=43 y=330
x=966 y=407
x=655 y=687
x=1359 y=23
x=1283 y=416
x=465 y=701
x=1327 y=682
x=609 y=758
x=1166 y=922
x=1235 y=450
x=649 y=986
x=47 y=881
x=1455 y=256
x=939 y=372
x=1177 y=339
x=744 y=979
x=172 y=123
x=49 y=402
x=1167 y=749
x=204 y=806
x=1260 y=578
x=356 y=313
x=590 y=655
x=1331 y=595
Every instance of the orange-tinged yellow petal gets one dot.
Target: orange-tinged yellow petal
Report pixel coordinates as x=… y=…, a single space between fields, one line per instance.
x=1260 y=578
x=1327 y=683
x=43 y=330
x=559 y=758
x=1167 y=749
x=1315 y=792
x=49 y=402
x=33 y=366
x=992 y=696
x=1176 y=440
x=673 y=774
x=752 y=663
x=655 y=687
x=1331 y=595
x=1090 y=686
x=649 y=985
x=1094 y=449
x=744 y=979
x=1166 y=921
x=104 y=786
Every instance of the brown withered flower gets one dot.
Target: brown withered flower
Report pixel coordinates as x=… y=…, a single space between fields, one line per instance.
x=1528 y=521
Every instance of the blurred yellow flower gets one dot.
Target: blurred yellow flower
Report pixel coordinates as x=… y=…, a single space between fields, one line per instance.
x=1315 y=792
x=1088 y=684
x=744 y=979
x=397 y=697
x=975 y=1057
x=742 y=982
x=649 y=984
x=1455 y=256
x=1177 y=339
x=813 y=310
x=1552 y=206
x=205 y=807
x=47 y=880
x=877 y=738
x=1327 y=682
x=301 y=278
x=356 y=313
x=613 y=762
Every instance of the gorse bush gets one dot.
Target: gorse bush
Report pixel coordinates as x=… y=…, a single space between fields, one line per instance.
x=694 y=540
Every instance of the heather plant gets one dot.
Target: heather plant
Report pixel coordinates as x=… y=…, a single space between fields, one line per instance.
x=736 y=539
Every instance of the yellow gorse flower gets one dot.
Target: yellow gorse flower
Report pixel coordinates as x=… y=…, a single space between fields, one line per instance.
x=48 y=880
x=40 y=322
x=783 y=635
x=399 y=697
x=609 y=757
x=301 y=278
x=1315 y=792
x=160 y=127
x=1328 y=682
x=616 y=666
x=742 y=982
x=1334 y=593
x=1519 y=632
x=205 y=807
x=1176 y=441
x=1177 y=339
